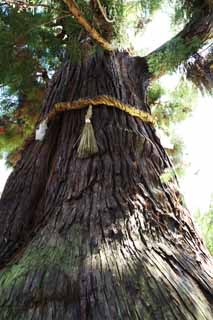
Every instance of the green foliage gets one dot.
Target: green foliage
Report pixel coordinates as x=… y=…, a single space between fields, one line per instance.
x=167 y=176
x=15 y=134
x=155 y=92
x=182 y=11
x=176 y=154
x=33 y=42
x=28 y=46
x=173 y=55
x=185 y=9
x=169 y=108
x=8 y=101
x=205 y=225
x=172 y=106
x=36 y=37
x=29 y=51
x=131 y=14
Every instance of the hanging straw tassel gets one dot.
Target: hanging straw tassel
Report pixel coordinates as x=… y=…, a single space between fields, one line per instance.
x=88 y=145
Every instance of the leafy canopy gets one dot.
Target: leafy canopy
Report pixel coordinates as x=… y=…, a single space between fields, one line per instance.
x=36 y=36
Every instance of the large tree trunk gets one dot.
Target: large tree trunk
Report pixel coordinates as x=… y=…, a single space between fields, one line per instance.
x=103 y=237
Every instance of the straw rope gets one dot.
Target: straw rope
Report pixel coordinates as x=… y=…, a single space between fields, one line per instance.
x=98 y=101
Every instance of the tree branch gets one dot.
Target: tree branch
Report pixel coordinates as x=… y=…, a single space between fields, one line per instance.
x=200 y=71
x=85 y=24
x=100 y=17
x=182 y=46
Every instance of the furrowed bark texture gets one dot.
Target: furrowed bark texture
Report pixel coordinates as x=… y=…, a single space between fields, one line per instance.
x=103 y=237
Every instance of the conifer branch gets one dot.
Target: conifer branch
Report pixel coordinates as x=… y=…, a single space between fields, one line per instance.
x=197 y=32
x=86 y=25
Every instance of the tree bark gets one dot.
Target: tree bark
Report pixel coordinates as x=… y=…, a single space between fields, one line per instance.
x=103 y=237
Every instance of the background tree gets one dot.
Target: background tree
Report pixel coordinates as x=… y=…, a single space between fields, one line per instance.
x=100 y=236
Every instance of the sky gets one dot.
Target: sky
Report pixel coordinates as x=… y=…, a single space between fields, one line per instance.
x=4 y=172
x=196 y=131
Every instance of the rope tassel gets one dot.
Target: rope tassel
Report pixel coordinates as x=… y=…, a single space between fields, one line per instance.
x=88 y=145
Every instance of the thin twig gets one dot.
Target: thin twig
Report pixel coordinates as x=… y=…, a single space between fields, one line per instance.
x=104 y=14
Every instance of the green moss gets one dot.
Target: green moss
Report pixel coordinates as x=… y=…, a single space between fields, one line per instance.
x=30 y=260
x=63 y=254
